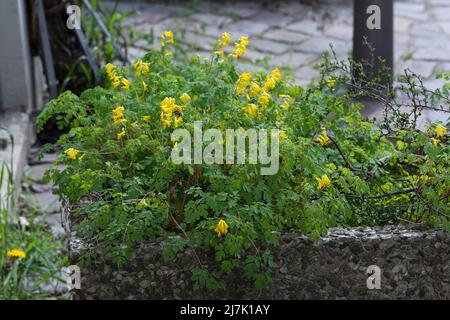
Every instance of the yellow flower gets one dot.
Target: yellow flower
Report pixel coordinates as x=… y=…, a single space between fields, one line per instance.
x=221 y=228
x=440 y=131
x=435 y=141
x=16 y=253
x=252 y=110
x=243 y=82
x=323 y=182
x=272 y=79
x=255 y=89
x=264 y=99
x=185 y=98
x=283 y=135
x=165 y=120
x=276 y=75
x=125 y=84
x=323 y=138
x=177 y=121
x=116 y=81
x=219 y=52
x=168 y=106
x=72 y=153
x=144 y=86
x=121 y=134
x=331 y=82
x=167 y=37
x=224 y=40
x=118 y=115
x=168 y=54
x=146 y=118
x=109 y=67
x=141 y=67
x=287 y=101
x=240 y=47
x=110 y=71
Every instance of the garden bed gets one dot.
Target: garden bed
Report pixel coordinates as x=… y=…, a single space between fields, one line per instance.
x=414 y=262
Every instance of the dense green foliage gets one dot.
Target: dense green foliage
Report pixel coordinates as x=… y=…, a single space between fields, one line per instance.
x=336 y=169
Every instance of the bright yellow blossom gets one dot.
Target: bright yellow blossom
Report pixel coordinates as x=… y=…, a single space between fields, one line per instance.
x=287 y=101
x=323 y=138
x=264 y=99
x=243 y=82
x=221 y=228
x=224 y=40
x=219 y=52
x=185 y=98
x=177 y=121
x=16 y=253
x=125 y=84
x=323 y=182
x=167 y=37
x=255 y=89
x=331 y=82
x=72 y=153
x=240 y=47
x=146 y=118
x=440 y=131
x=251 y=109
x=121 y=134
x=144 y=86
x=141 y=67
x=118 y=115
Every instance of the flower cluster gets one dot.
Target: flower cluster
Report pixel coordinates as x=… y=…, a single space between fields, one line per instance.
x=17 y=253
x=172 y=113
x=440 y=131
x=118 y=117
x=240 y=47
x=221 y=228
x=141 y=67
x=260 y=93
x=111 y=71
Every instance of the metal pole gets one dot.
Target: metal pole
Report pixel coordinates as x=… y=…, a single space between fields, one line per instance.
x=373 y=21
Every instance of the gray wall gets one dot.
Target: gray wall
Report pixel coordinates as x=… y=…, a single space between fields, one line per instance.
x=414 y=263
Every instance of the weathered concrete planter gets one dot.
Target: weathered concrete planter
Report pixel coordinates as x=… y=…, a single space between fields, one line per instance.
x=415 y=264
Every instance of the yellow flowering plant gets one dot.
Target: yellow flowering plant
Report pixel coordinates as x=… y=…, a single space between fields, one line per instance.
x=332 y=162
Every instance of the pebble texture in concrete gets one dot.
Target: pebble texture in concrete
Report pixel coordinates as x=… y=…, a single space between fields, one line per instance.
x=414 y=263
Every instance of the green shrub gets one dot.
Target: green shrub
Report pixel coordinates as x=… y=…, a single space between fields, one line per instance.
x=336 y=169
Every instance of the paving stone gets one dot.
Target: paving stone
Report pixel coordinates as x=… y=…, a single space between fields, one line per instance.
x=416 y=16
x=440 y=13
x=268 y=46
x=423 y=68
x=445 y=26
x=408 y=7
x=339 y=31
x=243 y=10
x=431 y=55
x=306 y=74
x=254 y=55
x=199 y=42
x=427 y=30
x=305 y=26
x=154 y=15
x=273 y=19
x=402 y=25
x=248 y=28
x=37 y=171
x=438 y=2
x=320 y=45
x=294 y=59
x=294 y=9
x=245 y=66
x=285 y=36
x=48 y=202
x=211 y=19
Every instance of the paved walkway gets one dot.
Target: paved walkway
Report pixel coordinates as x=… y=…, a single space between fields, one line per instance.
x=293 y=36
